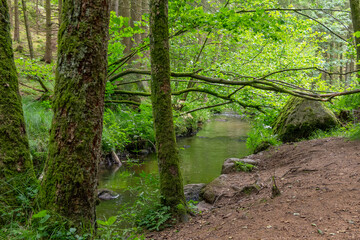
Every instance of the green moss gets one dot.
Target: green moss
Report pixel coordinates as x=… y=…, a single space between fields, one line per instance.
x=300 y=117
x=15 y=161
x=70 y=179
x=171 y=184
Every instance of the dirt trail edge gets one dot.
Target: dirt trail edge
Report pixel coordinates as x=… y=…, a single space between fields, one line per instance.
x=319 y=182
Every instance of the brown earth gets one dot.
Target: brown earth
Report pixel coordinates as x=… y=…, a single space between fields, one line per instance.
x=319 y=182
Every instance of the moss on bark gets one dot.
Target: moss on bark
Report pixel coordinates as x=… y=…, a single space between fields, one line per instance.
x=15 y=162
x=171 y=184
x=70 y=179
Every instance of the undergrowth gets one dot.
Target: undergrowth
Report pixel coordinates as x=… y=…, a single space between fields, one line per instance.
x=144 y=212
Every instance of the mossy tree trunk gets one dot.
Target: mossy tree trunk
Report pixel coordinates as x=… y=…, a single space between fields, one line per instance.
x=171 y=184
x=70 y=178
x=15 y=163
x=355 y=16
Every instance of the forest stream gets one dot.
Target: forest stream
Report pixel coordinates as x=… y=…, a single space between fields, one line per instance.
x=202 y=156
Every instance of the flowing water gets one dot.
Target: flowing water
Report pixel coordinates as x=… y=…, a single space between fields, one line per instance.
x=202 y=156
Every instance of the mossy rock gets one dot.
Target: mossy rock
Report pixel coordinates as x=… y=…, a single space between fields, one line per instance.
x=301 y=117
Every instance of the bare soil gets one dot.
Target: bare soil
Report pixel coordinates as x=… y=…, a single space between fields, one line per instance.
x=319 y=182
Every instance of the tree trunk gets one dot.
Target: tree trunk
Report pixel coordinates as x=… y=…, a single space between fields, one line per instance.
x=28 y=32
x=70 y=178
x=16 y=21
x=16 y=165
x=48 y=50
x=171 y=185
x=125 y=12
x=355 y=16
x=135 y=17
x=60 y=9
x=10 y=13
x=116 y=7
x=145 y=10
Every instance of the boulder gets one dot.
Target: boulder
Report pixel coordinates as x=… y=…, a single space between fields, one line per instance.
x=106 y=194
x=204 y=206
x=301 y=117
x=214 y=190
x=192 y=191
x=229 y=165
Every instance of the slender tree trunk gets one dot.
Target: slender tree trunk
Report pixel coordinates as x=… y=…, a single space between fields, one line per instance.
x=16 y=21
x=48 y=50
x=60 y=9
x=37 y=17
x=125 y=12
x=116 y=7
x=10 y=13
x=145 y=10
x=16 y=166
x=70 y=179
x=171 y=185
x=136 y=17
x=355 y=16
x=28 y=32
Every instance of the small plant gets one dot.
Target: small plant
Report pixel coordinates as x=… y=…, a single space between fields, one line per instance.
x=156 y=218
x=244 y=167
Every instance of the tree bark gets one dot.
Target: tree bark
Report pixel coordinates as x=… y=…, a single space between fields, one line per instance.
x=116 y=7
x=16 y=165
x=171 y=185
x=60 y=9
x=48 y=50
x=28 y=32
x=16 y=21
x=355 y=16
x=144 y=10
x=125 y=12
x=70 y=178
x=10 y=13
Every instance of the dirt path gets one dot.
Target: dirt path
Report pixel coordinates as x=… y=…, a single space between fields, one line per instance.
x=320 y=197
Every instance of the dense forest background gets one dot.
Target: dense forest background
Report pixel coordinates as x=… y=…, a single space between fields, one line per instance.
x=247 y=56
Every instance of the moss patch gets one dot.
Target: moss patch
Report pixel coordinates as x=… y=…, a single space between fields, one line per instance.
x=300 y=117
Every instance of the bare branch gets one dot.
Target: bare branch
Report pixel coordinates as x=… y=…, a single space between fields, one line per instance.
x=206 y=107
x=331 y=31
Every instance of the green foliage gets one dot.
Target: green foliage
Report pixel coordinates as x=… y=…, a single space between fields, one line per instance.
x=261 y=132
x=145 y=212
x=355 y=132
x=18 y=222
x=155 y=218
x=38 y=117
x=33 y=69
x=122 y=126
x=244 y=167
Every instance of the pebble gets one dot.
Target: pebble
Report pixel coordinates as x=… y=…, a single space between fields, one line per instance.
x=296 y=214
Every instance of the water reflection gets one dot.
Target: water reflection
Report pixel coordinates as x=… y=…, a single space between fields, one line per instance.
x=201 y=159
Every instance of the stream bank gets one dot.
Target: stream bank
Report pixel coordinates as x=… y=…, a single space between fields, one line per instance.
x=201 y=156
x=319 y=182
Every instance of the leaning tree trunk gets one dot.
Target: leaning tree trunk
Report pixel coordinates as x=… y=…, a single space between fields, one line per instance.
x=171 y=185
x=70 y=178
x=28 y=32
x=16 y=21
x=16 y=167
x=355 y=15
x=48 y=50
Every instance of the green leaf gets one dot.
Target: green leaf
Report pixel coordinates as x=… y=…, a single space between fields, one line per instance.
x=40 y=214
